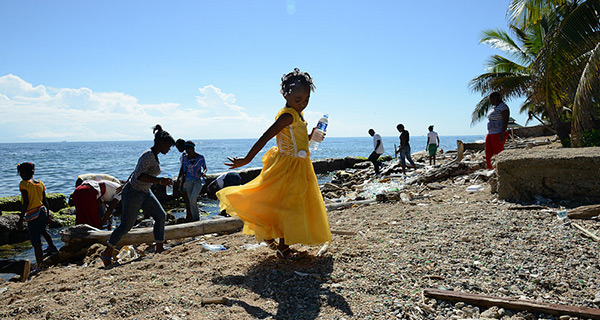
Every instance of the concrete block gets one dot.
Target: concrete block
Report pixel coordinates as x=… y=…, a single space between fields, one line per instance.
x=559 y=174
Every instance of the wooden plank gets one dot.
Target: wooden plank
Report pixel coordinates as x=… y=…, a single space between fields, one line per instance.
x=83 y=236
x=214 y=300
x=586 y=232
x=513 y=304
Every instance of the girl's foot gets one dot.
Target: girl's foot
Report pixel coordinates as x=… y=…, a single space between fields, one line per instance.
x=271 y=244
x=290 y=254
x=106 y=260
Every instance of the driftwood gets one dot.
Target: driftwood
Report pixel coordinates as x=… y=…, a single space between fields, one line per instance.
x=586 y=232
x=513 y=304
x=84 y=235
x=343 y=205
x=584 y=212
x=451 y=169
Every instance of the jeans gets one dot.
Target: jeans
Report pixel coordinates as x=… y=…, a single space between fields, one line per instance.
x=134 y=200
x=193 y=188
x=405 y=154
x=374 y=158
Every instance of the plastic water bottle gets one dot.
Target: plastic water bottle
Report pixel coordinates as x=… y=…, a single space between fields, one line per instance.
x=321 y=126
x=170 y=187
x=562 y=215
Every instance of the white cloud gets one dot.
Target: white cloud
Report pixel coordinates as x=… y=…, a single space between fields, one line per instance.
x=49 y=114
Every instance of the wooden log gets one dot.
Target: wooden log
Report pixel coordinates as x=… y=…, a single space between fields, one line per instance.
x=586 y=232
x=513 y=304
x=584 y=212
x=84 y=236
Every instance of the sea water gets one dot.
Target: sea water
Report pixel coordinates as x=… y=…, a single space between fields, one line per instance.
x=57 y=164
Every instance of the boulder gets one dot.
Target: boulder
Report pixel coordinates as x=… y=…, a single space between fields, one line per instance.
x=56 y=201
x=9 y=232
x=559 y=174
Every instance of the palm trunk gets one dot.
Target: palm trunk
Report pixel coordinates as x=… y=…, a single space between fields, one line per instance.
x=563 y=129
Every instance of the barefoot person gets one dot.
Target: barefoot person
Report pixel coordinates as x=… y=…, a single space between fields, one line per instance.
x=137 y=195
x=284 y=201
x=497 y=123
x=404 y=148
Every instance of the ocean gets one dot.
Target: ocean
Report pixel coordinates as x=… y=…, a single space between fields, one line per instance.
x=57 y=164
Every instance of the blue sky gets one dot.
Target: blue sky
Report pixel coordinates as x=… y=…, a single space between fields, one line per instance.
x=110 y=70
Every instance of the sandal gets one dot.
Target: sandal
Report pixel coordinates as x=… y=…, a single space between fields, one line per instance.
x=271 y=244
x=290 y=254
x=106 y=260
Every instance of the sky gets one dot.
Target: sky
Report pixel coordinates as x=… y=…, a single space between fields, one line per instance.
x=110 y=70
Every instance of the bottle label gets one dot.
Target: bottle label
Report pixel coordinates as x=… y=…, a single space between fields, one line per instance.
x=322 y=126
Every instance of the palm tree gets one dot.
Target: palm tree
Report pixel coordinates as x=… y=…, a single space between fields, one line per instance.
x=510 y=75
x=565 y=71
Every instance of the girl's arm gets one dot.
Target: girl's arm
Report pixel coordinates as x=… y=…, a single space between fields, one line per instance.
x=505 y=117
x=181 y=176
x=24 y=205
x=283 y=121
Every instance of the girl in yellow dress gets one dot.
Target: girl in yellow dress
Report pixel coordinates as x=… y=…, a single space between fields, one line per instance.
x=284 y=202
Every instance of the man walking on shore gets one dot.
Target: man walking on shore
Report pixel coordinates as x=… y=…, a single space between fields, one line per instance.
x=404 y=149
x=377 y=150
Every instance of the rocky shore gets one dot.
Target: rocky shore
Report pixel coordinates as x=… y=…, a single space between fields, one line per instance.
x=382 y=257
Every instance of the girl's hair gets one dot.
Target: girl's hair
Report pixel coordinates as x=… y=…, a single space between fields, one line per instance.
x=161 y=135
x=180 y=145
x=25 y=169
x=296 y=79
x=190 y=143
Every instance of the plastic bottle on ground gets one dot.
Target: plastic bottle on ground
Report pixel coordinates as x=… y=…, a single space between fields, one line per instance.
x=322 y=127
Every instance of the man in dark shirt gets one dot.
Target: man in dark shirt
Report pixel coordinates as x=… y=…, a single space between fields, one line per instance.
x=404 y=149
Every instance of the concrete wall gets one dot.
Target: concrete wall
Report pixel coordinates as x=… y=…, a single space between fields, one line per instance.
x=559 y=174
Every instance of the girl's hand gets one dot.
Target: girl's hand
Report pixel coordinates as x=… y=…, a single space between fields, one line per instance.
x=316 y=135
x=236 y=162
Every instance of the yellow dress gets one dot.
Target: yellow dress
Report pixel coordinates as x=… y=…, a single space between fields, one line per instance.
x=284 y=201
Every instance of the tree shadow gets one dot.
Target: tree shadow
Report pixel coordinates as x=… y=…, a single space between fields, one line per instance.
x=296 y=287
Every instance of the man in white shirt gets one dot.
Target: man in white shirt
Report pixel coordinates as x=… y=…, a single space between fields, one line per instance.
x=377 y=150
x=432 y=145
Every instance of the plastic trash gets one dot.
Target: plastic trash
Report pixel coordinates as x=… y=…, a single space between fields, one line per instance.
x=253 y=246
x=475 y=188
x=562 y=215
x=213 y=247
x=126 y=253
x=405 y=197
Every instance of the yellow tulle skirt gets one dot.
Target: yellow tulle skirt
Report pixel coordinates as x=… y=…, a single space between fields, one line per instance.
x=284 y=201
